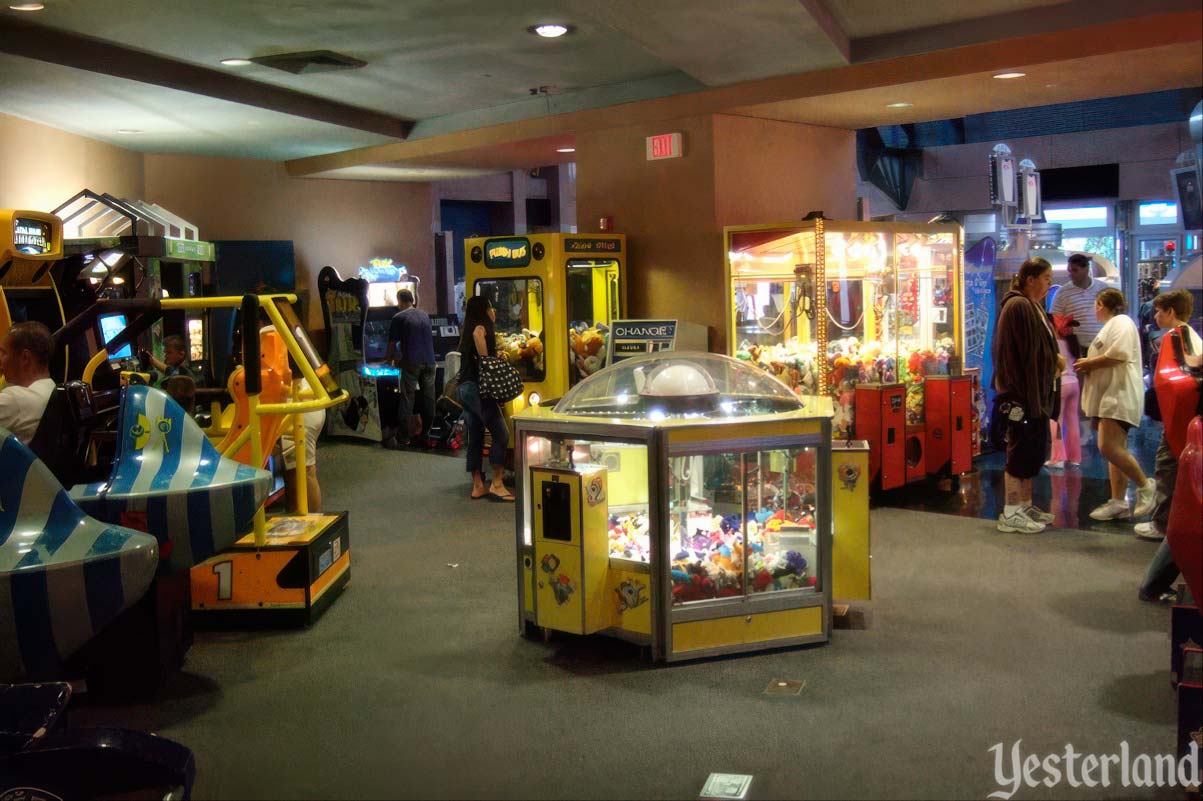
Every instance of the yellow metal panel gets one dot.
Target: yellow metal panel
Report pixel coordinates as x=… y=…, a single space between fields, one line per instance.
x=850 y=579
x=572 y=481
x=785 y=624
x=595 y=554
x=528 y=582
x=630 y=594
x=559 y=603
x=774 y=428
x=721 y=632
x=626 y=467
x=697 y=635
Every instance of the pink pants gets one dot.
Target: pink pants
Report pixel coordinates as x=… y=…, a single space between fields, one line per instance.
x=1067 y=443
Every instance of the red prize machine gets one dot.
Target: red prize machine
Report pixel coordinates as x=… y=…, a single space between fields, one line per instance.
x=867 y=313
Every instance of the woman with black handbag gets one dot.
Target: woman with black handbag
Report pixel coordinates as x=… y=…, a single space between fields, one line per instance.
x=477 y=343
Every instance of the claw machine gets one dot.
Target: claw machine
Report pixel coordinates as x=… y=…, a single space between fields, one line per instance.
x=868 y=314
x=681 y=501
x=555 y=297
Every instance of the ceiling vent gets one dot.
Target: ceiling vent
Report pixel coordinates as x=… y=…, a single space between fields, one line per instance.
x=310 y=61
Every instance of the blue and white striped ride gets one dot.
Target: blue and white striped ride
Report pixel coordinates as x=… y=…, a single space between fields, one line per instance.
x=196 y=502
x=63 y=575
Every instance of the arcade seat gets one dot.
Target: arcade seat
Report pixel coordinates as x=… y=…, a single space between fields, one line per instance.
x=1184 y=529
x=41 y=758
x=168 y=477
x=276 y=384
x=63 y=575
x=1179 y=388
x=65 y=432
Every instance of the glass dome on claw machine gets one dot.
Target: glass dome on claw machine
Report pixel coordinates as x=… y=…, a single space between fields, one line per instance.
x=678 y=500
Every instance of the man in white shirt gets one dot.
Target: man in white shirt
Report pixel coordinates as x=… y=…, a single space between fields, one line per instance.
x=1077 y=298
x=25 y=364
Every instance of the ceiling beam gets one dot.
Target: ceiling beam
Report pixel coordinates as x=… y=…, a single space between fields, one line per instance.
x=40 y=43
x=829 y=25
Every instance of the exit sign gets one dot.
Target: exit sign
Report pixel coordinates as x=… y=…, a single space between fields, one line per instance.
x=664 y=146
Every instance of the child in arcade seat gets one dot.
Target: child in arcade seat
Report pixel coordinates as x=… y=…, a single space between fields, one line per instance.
x=174 y=362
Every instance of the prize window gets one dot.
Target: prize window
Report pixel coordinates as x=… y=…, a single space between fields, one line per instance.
x=783 y=548
x=592 y=297
x=518 y=303
x=706 y=536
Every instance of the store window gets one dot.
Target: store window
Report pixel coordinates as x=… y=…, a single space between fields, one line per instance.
x=519 y=324
x=1158 y=212
x=1079 y=217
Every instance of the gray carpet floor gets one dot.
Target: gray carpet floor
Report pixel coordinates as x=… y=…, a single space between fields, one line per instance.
x=416 y=683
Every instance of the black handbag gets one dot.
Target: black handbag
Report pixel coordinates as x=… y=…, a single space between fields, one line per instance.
x=498 y=380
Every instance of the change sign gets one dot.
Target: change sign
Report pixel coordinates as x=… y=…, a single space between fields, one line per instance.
x=636 y=337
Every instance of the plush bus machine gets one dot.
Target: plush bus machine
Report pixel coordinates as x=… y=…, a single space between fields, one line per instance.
x=30 y=244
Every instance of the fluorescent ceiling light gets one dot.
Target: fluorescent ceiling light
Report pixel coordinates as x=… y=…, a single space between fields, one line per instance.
x=550 y=30
x=27 y=6
x=1006 y=76
x=900 y=104
x=565 y=149
x=236 y=62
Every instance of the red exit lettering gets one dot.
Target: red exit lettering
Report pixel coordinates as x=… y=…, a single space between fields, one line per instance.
x=664 y=146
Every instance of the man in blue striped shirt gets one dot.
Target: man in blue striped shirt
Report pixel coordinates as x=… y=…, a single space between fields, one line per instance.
x=1077 y=298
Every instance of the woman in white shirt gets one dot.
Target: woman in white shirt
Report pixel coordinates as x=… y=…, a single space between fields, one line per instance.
x=1113 y=398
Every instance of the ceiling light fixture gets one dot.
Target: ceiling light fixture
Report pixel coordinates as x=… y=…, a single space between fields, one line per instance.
x=565 y=149
x=550 y=30
x=236 y=62
x=1006 y=76
x=130 y=131
x=899 y=104
x=27 y=6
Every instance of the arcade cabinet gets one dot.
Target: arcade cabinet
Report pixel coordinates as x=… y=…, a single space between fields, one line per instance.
x=555 y=296
x=121 y=248
x=358 y=312
x=30 y=244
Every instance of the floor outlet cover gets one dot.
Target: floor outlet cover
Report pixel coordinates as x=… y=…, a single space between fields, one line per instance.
x=726 y=785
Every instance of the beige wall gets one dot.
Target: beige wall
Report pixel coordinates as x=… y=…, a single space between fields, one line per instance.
x=40 y=167
x=340 y=223
x=734 y=171
x=666 y=210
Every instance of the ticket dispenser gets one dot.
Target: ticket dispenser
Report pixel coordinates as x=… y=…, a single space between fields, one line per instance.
x=571 y=517
x=948 y=411
x=881 y=421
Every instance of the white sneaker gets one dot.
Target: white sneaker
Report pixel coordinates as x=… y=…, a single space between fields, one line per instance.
x=1039 y=515
x=1110 y=510
x=1146 y=499
x=1018 y=523
x=1054 y=465
x=1147 y=531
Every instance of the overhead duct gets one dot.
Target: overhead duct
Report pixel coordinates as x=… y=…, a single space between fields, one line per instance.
x=893 y=170
x=310 y=61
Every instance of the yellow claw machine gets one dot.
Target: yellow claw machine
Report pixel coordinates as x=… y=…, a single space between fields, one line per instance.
x=868 y=314
x=681 y=501
x=555 y=296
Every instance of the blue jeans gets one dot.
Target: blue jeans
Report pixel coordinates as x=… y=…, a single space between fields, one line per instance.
x=481 y=412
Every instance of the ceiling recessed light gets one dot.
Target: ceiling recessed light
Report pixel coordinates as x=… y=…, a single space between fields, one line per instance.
x=27 y=6
x=565 y=149
x=236 y=62
x=549 y=30
x=1006 y=76
x=130 y=131
x=900 y=104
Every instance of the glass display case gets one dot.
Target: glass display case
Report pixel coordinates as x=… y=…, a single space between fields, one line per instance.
x=826 y=305
x=678 y=500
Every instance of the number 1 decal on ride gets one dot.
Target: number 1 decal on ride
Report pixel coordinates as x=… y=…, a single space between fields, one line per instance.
x=225 y=580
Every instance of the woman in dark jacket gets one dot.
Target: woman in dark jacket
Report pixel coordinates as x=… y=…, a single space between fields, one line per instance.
x=476 y=340
x=1026 y=365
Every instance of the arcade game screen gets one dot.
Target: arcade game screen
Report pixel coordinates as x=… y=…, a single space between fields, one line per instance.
x=30 y=236
x=110 y=326
x=34 y=304
x=375 y=340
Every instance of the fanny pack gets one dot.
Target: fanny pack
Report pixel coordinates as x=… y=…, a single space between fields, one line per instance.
x=1007 y=410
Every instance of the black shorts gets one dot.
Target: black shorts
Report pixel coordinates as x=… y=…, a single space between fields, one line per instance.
x=1028 y=444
